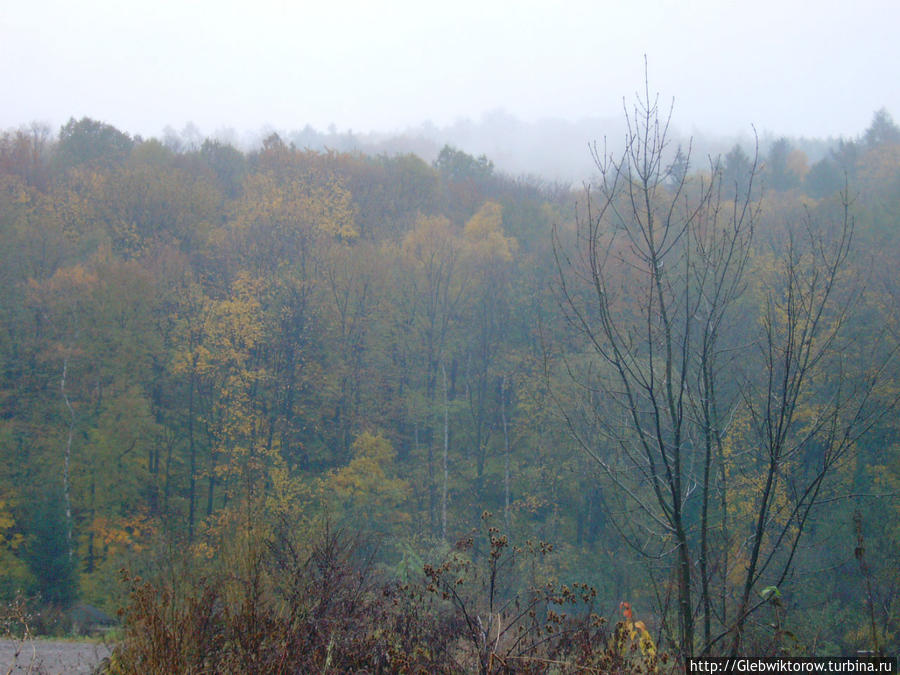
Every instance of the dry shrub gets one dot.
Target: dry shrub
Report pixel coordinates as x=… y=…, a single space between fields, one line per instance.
x=293 y=610
x=296 y=607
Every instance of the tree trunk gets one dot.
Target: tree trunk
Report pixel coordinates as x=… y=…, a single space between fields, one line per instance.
x=67 y=456
x=446 y=453
x=505 y=452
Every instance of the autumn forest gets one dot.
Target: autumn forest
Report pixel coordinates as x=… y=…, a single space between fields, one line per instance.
x=293 y=410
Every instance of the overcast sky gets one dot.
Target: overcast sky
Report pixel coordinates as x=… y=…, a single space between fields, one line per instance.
x=788 y=66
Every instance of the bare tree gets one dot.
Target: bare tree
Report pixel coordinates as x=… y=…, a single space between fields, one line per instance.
x=807 y=397
x=676 y=356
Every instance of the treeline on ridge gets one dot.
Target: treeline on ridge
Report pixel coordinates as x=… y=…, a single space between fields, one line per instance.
x=207 y=341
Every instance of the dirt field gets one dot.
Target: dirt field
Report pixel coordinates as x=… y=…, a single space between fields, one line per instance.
x=51 y=657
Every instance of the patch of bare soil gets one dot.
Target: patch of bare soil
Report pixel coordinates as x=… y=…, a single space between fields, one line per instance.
x=50 y=657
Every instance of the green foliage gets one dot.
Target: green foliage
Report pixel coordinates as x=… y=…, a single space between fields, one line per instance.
x=882 y=131
x=91 y=141
x=824 y=178
x=276 y=335
x=228 y=164
x=48 y=552
x=14 y=574
x=458 y=165
x=736 y=172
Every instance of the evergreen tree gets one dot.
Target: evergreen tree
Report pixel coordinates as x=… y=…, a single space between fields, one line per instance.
x=48 y=555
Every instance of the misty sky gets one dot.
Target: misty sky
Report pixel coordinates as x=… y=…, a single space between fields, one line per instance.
x=789 y=67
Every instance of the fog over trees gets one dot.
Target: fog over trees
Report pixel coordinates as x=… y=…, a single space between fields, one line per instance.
x=552 y=150
x=497 y=397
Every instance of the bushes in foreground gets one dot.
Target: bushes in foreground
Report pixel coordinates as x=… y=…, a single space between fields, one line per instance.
x=291 y=607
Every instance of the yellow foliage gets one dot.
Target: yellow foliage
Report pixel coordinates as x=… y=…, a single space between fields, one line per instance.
x=430 y=238
x=14 y=191
x=11 y=541
x=879 y=167
x=288 y=494
x=745 y=477
x=66 y=282
x=124 y=533
x=484 y=234
x=798 y=163
x=297 y=207
x=77 y=201
x=203 y=550
x=633 y=641
x=366 y=481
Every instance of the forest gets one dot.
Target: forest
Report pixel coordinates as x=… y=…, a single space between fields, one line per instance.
x=292 y=410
